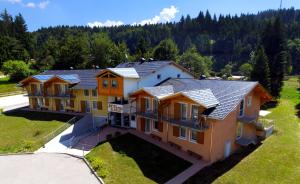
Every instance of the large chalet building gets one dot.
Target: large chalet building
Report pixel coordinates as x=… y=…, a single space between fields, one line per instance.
x=207 y=118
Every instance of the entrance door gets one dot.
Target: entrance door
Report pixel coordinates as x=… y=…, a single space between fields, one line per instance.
x=147 y=126
x=227 y=150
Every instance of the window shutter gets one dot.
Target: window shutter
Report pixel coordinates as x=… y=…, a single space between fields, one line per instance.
x=72 y=103
x=47 y=102
x=175 y=131
x=142 y=120
x=200 y=137
x=177 y=112
x=160 y=126
x=99 y=104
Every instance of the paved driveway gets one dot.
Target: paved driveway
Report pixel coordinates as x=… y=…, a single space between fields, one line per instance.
x=44 y=168
x=13 y=102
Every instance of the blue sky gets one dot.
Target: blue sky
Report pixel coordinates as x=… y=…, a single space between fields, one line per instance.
x=44 y=13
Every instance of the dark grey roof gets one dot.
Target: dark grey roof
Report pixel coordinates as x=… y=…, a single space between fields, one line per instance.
x=160 y=91
x=202 y=96
x=228 y=93
x=87 y=77
x=144 y=68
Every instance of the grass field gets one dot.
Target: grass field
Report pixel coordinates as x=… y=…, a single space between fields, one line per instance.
x=129 y=159
x=6 y=86
x=22 y=131
x=277 y=160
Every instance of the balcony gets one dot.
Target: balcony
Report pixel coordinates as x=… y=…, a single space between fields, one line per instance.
x=118 y=107
x=63 y=95
x=196 y=124
x=148 y=114
x=35 y=94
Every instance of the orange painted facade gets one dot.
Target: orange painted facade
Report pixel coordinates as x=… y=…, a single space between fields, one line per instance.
x=110 y=84
x=218 y=139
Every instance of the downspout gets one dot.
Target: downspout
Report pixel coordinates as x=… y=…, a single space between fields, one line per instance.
x=211 y=141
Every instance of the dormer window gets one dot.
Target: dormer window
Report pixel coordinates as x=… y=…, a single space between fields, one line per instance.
x=178 y=75
x=158 y=76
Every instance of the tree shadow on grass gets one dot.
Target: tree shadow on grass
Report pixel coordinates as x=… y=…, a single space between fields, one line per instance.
x=269 y=105
x=297 y=107
x=155 y=163
x=38 y=116
x=212 y=172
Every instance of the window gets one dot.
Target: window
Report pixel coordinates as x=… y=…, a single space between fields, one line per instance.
x=147 y=104
x=95 y=105
x=193 y=137
x=147 y=125
x=105 y=83
x=86 y=92
x=87 y=106
x=241 y=113
x=249 y=102
x=155 y=105
x=99 y=105
x=68 y=103
x=195 y=111
x=94 y=92
x=114 y=83
x=66 y=89
x=178 y=75
x=132 y=118
x=155 y=125
x=239 y=130
x=182 y=132
x=158 y=76
x=183 y=111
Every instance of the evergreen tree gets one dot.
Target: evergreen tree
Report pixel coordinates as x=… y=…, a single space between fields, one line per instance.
x=166 y=50
x=274 y=44
x=261 y=72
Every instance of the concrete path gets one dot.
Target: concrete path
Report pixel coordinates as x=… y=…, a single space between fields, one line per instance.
x=44 y=168
x=56 y=146
x=13 y=102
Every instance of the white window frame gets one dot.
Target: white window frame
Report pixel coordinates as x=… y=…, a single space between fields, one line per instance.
x=96 y=94
x=181 y=137
x=147 y=101
x=105 y=83
x=197 y=106
x=116 y=83
x=186 y=112
x=153 y=102
x=153 y=126
x=95 y=107
x=88 y=94
x=147 y=121
x=249 y=101
x=191 y=137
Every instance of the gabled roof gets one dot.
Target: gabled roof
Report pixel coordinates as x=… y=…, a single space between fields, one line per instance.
x=125 y=72
x=159 y=91
x=71 y=79
x=228 y=93
x=86 y=77
x=204 y=97
x=147 y=67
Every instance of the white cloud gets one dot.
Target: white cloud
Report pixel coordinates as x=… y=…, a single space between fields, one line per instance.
x=15 y=1
x=30 y=5
x=165 y=15
x=43 y=4
x=108 y=23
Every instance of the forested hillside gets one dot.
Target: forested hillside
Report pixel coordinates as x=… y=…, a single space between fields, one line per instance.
x=205 y=44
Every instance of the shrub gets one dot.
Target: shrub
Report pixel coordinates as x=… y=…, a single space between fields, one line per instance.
x=108 y=136
x=37 y=133
x=17 y=70
x=99 y=167
x=117 y=133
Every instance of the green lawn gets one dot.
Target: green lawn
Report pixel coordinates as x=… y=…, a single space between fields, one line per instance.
x=22 y=131
x=277 y=160
x=128 y=159
x=6 y=86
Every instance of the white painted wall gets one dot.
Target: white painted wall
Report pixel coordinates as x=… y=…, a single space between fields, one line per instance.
x=165 y=72
x=130 y=85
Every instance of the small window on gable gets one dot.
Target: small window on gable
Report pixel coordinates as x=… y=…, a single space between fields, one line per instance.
x=158 y=76
x=249 y=101
x=105 y=83
x=178 y=75
x=114 y=83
